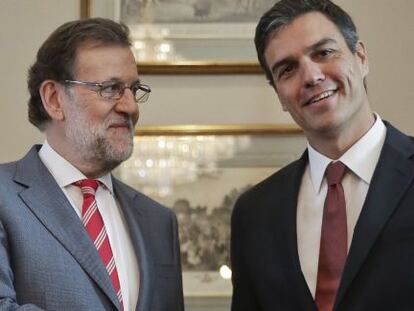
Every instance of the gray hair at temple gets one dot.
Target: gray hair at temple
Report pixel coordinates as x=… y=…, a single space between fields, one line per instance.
x=56 y=57
x=285 y=11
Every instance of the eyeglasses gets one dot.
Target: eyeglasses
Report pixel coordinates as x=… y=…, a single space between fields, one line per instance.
x=114 y=90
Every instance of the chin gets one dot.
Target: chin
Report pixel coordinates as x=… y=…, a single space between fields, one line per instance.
x=114 y=152
x=120 y=154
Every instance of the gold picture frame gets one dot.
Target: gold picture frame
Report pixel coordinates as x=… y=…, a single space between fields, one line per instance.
x=194 y=66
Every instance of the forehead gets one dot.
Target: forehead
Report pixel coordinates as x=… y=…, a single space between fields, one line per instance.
x=105 y=62
x=304 y=31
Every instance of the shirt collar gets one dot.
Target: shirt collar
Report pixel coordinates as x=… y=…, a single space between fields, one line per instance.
x=361 y=158
x=63 y=171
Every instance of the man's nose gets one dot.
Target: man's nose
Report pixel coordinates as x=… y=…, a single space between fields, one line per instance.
x=127 y=104
x=312 y=73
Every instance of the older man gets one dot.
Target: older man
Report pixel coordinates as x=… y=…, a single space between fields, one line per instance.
x=333 y=230
x=72 y=237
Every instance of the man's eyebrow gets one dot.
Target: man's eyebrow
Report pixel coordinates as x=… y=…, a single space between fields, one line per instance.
x=117 y=80
x=320 y=43
x=291 y=60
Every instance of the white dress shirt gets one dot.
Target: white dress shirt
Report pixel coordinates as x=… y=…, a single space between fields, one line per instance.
x=361 y=160
x=65 y=175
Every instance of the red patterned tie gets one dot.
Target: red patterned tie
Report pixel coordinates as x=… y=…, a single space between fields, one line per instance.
x=92 y=220
x=333 y=248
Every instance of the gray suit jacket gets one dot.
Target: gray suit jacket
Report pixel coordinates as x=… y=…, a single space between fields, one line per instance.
x=47 y=260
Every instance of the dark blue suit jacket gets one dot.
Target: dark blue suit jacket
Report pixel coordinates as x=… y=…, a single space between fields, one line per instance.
x=379 y=272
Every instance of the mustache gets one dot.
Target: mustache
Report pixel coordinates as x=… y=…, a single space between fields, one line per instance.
x=120 y=121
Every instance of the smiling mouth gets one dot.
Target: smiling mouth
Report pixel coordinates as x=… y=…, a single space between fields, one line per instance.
x=121 y=124
x=320 y=97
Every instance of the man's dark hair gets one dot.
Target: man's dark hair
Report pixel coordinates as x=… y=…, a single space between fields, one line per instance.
x=56 y=57
x=285 y=11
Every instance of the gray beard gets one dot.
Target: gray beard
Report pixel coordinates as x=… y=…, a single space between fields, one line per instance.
x=92 y=145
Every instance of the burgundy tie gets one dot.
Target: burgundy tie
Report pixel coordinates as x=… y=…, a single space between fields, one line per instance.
x=92 y=220
x=333 y=248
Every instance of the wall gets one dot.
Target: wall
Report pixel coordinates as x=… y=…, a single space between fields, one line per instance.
x=24 y=25
x=386 y=27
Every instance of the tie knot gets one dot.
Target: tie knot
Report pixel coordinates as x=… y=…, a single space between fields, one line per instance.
x=335 y=172
x=88 y=186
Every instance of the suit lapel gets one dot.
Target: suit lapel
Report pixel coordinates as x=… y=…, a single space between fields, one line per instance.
x=138 y=229
x=51 y=207
x=289 y=190
x=392 y=176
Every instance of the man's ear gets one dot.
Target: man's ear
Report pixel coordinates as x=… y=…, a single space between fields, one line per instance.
x=362 y=55
x=50 y=93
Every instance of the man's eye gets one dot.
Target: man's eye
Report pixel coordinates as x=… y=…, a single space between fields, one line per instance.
x=286 y=71
x=111 y=88
x=325 y=52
